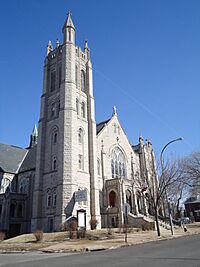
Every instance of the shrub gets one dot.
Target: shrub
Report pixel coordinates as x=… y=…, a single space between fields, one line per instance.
x=146 y=227
x=63 y=227
x=2 y=235
x=38 y=235
x=82 y=233
x=73 y=226
x=93 y=223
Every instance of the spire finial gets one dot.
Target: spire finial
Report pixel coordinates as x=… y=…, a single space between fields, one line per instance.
x=141 y=139
x=86 y=43
x=35 y=131
x=49 y=47
x=114 y=110
x=57 y=43
x=69 y=13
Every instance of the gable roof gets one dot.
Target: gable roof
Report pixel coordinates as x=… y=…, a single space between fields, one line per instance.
x=101 y=125
x=29 y=161
x=11 y=157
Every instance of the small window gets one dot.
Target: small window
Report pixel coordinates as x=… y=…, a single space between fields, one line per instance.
x=55 y=135
x=80 y=136
x=53 y=110
x=82 y=81
x=115 y=128
x=21 y=189
x=77 y=106
x=54 y=163
x=83 y=109
x=58 y=107
x=80 y=162
x=59 y=76
x=69 y=32
x=53 y=81
x=54 y=199
x=98 y=167
x=48 y=200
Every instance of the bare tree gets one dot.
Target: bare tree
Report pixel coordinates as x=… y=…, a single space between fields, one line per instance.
x=191 y=165
x=170 y=174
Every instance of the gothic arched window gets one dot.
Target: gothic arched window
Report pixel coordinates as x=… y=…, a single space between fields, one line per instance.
x=118 y=164
x=112 y=168
x=48 y=200
x=98 y=167
x=55 y=137
x=54 y=163
x=80 y=136
x=77 y=106
x=54 y=199
x=76 y=75
x=80 y=162
x=82 y=81
x=53 y=110
x=83 y=109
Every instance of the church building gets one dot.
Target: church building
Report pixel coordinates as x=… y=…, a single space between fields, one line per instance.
x=74 y=167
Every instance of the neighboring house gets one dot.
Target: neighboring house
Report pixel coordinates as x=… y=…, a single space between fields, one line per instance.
x=73 y=165
x=192 y=208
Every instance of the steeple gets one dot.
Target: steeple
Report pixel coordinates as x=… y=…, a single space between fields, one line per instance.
x=33 y=137
x=69 y=30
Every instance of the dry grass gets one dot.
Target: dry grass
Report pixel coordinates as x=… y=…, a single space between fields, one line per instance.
x=60 y=240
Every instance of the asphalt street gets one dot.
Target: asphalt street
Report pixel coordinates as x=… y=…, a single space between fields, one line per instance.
x=181 y=252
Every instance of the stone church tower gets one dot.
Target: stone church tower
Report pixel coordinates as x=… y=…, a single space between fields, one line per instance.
x=66 y=160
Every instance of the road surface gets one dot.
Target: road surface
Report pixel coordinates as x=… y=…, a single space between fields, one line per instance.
x=183 y=252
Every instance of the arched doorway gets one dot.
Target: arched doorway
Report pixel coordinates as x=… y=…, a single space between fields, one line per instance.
x=112 y=199
x=129 y=198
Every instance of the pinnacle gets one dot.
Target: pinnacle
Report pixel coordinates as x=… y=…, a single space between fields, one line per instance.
x=35 y=131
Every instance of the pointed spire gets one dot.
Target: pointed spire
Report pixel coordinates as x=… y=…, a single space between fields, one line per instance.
x=69 y=30
x=49 y=47
x=33 y=137
x=69 y=22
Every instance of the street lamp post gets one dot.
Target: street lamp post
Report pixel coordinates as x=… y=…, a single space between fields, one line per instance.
x=162 y=171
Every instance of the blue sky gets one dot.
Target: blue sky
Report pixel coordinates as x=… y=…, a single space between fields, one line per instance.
x=146 y=61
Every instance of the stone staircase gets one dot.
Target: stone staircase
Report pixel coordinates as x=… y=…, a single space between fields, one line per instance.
x=141 y=221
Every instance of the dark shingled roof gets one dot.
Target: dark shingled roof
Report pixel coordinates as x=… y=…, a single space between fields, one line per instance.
x=101 y=125
x=11 y=157
x=135 y=147
x=29 y=161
